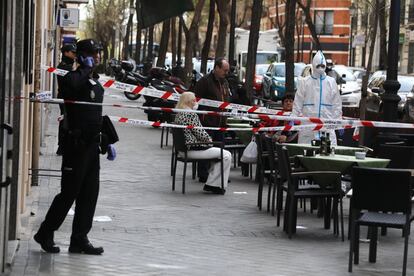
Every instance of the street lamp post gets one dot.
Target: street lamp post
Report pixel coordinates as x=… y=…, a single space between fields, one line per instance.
x=232 y=32
x=352 y=12
x=390 y=98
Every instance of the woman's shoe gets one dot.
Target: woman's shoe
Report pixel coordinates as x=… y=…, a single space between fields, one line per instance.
x=214 y=190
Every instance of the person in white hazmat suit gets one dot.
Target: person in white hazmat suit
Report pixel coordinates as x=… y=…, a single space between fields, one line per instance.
x=317 y=96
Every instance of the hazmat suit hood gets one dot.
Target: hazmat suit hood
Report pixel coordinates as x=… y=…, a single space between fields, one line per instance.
x=318 y=59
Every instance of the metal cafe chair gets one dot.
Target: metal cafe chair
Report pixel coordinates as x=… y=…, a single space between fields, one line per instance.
x=380 y=198
x=181 y=151
x=326 y=191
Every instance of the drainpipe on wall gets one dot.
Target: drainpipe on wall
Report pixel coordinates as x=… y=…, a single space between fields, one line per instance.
x=36 y=106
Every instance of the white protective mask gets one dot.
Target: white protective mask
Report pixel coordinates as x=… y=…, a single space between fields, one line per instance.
x=320 y=71
x=195 y=107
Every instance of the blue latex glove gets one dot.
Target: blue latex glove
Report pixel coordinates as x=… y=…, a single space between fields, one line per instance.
x=87 y=61
x=111 y=152
x=341 y=132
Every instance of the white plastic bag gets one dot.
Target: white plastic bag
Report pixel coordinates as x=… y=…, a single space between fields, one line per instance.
x=250 y=153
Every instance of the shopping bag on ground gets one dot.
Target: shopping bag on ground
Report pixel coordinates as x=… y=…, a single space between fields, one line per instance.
x=250 y=153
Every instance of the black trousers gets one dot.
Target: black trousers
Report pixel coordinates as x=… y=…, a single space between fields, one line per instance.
x=80 y=183
x=203 y=166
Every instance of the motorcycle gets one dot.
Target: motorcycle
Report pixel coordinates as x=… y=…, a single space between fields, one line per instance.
x=123 y=71
x=161 y=79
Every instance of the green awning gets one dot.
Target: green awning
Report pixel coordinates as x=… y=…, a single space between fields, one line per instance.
x=155 y=11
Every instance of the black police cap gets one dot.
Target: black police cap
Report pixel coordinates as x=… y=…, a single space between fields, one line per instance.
x=68 y=48
x=88 y=46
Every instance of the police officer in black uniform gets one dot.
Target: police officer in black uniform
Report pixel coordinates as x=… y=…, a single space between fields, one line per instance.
x=68 y=59
x=80 y=161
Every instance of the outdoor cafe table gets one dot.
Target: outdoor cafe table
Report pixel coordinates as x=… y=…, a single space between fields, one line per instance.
x=297 y=149
x=337 y=162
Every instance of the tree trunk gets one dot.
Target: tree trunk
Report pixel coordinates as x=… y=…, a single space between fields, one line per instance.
x=138 y=37
x=373 y=32
x=190 y=39
x=173 y=43
x=242 y=20
x=113 y=40
x=383 y=35
x=223 y=9
x=252 y=47
x=209 y=34
x=309 y=21
x=150 y=55
x=290 y=42
x=196 y=45
x=165 y=34
x=298 y=32
x=180 y=39
x=125 y=50
x=144 y=49
x=280 y=24
x=105 y=54
x=232 y=59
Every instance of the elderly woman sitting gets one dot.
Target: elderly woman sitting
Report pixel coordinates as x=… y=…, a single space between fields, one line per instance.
x=213 y=184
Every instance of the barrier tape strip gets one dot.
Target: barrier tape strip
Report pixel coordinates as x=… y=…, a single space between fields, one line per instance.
x=306 y=120
x=152 y=92
x=312 y=127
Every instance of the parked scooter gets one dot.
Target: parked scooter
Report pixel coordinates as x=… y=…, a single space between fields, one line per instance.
x=123 y=71
x=161 y=79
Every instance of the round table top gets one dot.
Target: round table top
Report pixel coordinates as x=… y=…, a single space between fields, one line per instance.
x=297 y=149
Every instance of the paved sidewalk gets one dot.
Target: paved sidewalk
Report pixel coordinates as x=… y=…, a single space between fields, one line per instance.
x=155 y=231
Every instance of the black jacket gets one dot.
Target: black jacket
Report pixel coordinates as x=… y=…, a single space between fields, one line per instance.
x=84 y=121
x=65 y=64
x=208 y=87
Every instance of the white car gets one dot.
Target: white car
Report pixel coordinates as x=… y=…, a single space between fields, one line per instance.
x=349 y=87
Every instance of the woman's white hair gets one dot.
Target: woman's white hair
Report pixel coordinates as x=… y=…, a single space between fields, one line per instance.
x=185 y=100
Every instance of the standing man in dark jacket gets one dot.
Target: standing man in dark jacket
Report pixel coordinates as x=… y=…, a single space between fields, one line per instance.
x=213 y=86
x=68 y=59
x=80 y=161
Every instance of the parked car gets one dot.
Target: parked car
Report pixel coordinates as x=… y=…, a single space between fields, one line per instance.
x=258 y=77
x=358 y=72
x=374 y=107
x=197 y=65
x=275 y=78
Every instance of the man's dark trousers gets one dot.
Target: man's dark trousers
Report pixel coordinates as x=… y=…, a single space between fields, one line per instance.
x=203 y=166
x=80 y=183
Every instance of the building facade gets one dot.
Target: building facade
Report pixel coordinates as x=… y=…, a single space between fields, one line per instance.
x=332 y=24
x=29 y=38
x=406 y=38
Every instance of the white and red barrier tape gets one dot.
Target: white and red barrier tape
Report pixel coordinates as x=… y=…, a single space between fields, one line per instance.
x=312 y=127
x=348 y=123
x=146 y=91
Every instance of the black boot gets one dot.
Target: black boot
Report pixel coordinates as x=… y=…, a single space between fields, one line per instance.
x=46 y=242
x=59 y=151
x=85 y=247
